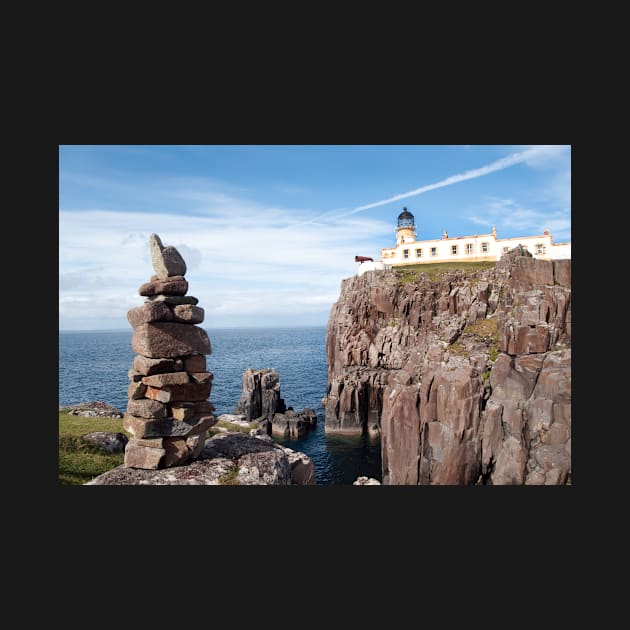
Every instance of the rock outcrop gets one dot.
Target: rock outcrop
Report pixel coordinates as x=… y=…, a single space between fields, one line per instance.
x=260 y=395
x=366 y=481
x=226 y=459
x=260 y=402
x=93 y=409
x=467 y=375
x=168 y=412
x=108 y=441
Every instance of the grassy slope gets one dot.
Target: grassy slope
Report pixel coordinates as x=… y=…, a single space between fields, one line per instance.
x=80 y=461
x=434 y=271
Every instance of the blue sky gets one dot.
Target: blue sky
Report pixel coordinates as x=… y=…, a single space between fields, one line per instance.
x=269 y=232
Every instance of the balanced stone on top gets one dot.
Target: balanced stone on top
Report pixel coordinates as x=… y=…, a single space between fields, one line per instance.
x=168 y=411
x=166 y=261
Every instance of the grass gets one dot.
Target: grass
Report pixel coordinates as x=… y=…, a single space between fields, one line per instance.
x=435 y=271
x=80 y=461
x=459 y=349
x=229 y=479
x=484 y=330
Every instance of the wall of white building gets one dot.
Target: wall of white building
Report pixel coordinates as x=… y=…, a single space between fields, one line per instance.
x=471 y=248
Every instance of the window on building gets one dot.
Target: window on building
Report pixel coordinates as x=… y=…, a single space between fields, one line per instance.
x=419 y=253
x=453 y=250
x=469 y=248
x=540 y=248
x=434 y=251
x=484 y=248
x=405 y=253
x=505 y=250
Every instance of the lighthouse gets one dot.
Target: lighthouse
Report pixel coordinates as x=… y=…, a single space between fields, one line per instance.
x=406 y=228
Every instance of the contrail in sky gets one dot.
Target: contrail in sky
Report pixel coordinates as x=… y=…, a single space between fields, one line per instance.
x=497 y=165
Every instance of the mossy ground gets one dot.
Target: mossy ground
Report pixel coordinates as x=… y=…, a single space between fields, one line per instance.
x=435 y=271
x=484 y=330
x=80 y=461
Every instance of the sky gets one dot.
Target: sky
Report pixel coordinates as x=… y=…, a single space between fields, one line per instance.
x=268 y=232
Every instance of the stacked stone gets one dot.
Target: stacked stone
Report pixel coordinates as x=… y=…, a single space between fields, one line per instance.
x=168 y=411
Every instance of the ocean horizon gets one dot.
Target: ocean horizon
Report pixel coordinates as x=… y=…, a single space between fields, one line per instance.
x=93 y=365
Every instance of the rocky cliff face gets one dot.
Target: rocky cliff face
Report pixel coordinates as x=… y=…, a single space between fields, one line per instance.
x=466 y=375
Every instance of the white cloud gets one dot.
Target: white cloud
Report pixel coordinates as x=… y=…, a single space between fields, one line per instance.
x=251 y=263
x=241 y=266
x=509 y=216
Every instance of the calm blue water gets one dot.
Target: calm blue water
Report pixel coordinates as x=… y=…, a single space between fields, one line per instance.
x=94 y=366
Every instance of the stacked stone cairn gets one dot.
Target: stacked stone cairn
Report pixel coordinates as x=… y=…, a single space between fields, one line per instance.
x=168 y=411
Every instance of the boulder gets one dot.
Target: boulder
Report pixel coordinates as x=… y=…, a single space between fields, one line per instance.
x=94 y=409
x=189 y=392
x=144 y=457
x=226 y=459
x=147 y=366
x=149 y=312
x=188 y=313
x=173 y=299
x=285 y=426
x=166 y=378
x=109 y=442
x=166 y=261
x=366 y=481
x=169 y=340
x=146 y=408
x=234 y=418
x=177 y=285
x=166 y=427
x=301 y=467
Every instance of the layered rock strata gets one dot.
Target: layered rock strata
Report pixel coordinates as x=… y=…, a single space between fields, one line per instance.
x=260 y=402
x=168 y=411
x=467 y=375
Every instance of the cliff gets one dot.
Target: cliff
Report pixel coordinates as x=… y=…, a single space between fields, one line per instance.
x=466 y=375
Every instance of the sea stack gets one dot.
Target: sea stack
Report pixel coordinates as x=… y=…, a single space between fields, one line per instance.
x=168 y=411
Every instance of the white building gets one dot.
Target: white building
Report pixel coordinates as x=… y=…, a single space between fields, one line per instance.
x=477 y=247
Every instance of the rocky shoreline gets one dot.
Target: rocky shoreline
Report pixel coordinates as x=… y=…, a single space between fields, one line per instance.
x=226 y=459
x=466 y=375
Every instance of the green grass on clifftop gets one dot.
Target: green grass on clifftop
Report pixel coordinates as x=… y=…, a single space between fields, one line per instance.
x=80 y=461
x=411 y=273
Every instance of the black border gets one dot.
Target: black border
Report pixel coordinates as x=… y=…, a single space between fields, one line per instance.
x=404 y=523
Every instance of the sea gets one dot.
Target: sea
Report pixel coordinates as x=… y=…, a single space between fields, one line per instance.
x=93 y=366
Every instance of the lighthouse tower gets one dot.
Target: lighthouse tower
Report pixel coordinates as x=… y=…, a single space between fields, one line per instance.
x=406 y=229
